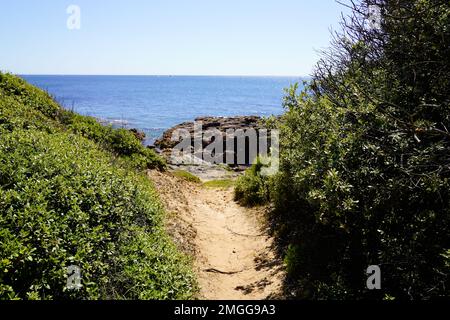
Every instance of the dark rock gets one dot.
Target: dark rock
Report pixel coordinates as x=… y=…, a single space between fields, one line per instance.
x=222 y=124
x=138 y=134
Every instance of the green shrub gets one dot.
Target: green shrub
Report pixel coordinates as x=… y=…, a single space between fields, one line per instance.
x=87 y=127
x=364 y=168
x=292 y=259
x=28 y=95
x=122 y=142
x=44 y=111
x=252 y=188
x=65 y=200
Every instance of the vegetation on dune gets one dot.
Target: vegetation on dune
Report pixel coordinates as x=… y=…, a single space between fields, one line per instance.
x=186 y=176
x=220 y=184
x=364 y=178
x=365 y=170
x=71 y=194
x=252 y=188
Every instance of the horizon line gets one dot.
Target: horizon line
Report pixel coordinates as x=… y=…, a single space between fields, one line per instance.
x=159 y=75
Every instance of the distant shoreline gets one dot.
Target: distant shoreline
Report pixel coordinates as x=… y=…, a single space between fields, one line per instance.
x=164 y=75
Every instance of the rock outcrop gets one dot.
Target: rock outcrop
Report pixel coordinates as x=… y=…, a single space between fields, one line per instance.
x=239 y=138
x=220 y=123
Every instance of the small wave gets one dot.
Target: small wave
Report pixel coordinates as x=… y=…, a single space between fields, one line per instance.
x=116 y=121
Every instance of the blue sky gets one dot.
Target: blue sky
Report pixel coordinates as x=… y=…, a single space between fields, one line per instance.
x=166 y=37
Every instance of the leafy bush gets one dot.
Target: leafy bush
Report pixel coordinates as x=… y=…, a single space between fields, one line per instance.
x=65 y=200
x=364 y=171
x=122 y=142
x=252 y=188
x=28 y=95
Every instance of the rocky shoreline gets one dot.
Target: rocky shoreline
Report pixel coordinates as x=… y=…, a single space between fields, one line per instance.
x=220 y=123
x=204 y=170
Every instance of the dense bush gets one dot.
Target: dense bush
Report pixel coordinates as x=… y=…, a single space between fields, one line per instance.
x=252 y=188
x=365 y=170
x=65 y=200
x=28 y=95
x=122 y=142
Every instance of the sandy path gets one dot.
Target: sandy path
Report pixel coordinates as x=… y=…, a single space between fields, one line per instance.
x=233 y=254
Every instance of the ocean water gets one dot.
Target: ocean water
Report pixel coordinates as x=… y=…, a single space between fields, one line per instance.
x=156 y=103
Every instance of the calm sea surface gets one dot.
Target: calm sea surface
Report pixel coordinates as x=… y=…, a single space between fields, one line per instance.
x=156 y=103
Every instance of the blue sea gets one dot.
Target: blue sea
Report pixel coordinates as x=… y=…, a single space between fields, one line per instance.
x=156 y=103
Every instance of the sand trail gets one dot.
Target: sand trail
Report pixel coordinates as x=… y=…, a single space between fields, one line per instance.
x=234 y=256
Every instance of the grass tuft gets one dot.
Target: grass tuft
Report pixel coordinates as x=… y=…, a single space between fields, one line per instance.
x=186 y=176
x=220 y=184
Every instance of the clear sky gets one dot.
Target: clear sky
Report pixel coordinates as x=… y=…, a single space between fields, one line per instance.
x=166 y=37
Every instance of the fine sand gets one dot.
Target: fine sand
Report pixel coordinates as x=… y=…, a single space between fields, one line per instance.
x=233 y=254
